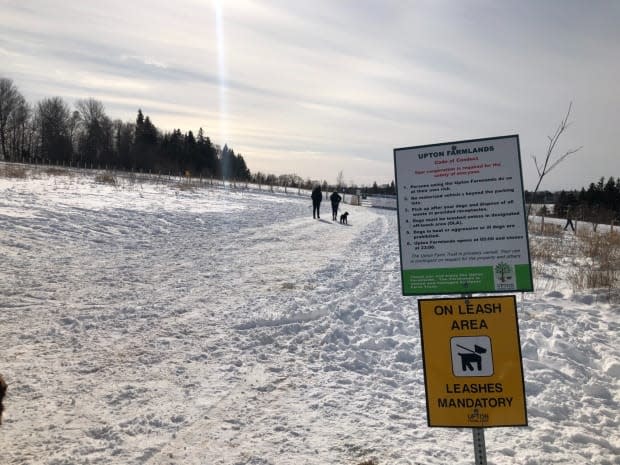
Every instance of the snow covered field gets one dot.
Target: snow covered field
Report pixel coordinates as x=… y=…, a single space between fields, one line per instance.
x=149 y=324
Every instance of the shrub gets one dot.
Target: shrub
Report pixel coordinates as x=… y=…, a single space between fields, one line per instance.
x=106 y=178
x=55 y=172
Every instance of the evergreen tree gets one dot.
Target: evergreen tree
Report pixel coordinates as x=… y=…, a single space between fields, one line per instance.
x=190 y=152
x=561 y=205
x=144 y=150
x=226 y=162
x=242 y=173
x=139 y=120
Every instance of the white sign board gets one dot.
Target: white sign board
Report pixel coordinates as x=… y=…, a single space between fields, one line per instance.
x=462 y=220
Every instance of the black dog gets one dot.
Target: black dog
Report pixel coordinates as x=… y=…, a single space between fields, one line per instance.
x=3 y=388
x=343 y=218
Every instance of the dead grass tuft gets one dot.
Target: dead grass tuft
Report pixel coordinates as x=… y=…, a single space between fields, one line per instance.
x=55 y=171
x=13 y=171
x=184 y=186
x=106 y=178
x=540 y=252
x=546 y=229
x=547 y=250
x=601 y=269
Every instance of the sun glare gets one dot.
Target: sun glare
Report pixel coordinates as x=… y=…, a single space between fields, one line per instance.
x=221 y=65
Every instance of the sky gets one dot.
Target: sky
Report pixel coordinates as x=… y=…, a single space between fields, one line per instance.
x=327 y=87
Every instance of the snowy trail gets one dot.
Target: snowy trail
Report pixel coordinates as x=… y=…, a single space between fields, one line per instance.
x=286 y=336
x=152 y=325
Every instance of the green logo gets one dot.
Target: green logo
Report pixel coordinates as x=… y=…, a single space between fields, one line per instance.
x=503 y=272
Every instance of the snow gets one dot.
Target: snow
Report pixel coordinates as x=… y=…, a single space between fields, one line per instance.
x=158 y=324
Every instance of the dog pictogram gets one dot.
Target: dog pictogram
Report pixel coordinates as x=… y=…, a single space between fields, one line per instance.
x=471 y=356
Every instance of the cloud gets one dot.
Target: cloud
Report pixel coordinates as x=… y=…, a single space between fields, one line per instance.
x=343 y=81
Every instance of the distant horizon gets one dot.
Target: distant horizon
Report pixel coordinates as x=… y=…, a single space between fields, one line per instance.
x=333 y=184
x=153 y=119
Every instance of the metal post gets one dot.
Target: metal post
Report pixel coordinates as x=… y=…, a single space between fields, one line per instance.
x=480 y=450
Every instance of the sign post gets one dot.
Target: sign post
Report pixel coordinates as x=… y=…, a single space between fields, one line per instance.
x=463 y=229
x=480 y=450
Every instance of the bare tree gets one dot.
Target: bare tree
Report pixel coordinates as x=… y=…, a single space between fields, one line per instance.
x=96 y=138
x=544 y=167
x=340 y=181
x=9 y=100
x=20 y=130
x=74 y=127
x=51 y=122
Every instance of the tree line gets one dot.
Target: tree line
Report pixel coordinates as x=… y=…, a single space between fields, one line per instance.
x=52 y=132
x=599 y=203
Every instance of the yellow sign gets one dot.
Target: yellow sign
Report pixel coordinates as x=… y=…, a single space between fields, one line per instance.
x=472 y=362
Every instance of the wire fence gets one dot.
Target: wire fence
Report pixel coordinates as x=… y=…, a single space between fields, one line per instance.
x=111 y=175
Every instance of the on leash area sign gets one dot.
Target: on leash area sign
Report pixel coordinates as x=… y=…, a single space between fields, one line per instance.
x=472 y=362
x=461 y=218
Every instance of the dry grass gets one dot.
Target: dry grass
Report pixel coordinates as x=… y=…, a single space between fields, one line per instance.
x=185 y=186
x=544 y=251
x=601 y=268
x=593 y=258
x=545 y=229
x=10 y=170
x=106 y=178
x=51 y=171
x=601 y=246
x=13 y=171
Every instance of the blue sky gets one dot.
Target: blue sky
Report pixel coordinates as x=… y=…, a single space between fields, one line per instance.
x=315 y=88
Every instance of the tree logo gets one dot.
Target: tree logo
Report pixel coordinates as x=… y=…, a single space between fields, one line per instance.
x=504 y=276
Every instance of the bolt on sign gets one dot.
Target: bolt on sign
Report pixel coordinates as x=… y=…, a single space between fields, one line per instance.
x=472 y=362
x=461 y=217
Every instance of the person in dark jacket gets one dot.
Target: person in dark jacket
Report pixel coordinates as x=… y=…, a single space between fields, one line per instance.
x=335 y=199
x=569 y=219
x=317 y=196
x=3 y=388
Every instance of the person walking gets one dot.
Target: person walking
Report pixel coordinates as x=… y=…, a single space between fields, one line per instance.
x=569 y=219
x=317 y=196
x=3 y=388
x=335 y=199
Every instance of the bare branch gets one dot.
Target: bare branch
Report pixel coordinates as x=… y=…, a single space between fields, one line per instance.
x=536 y=165
x=550 y=163
x=569 y=152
